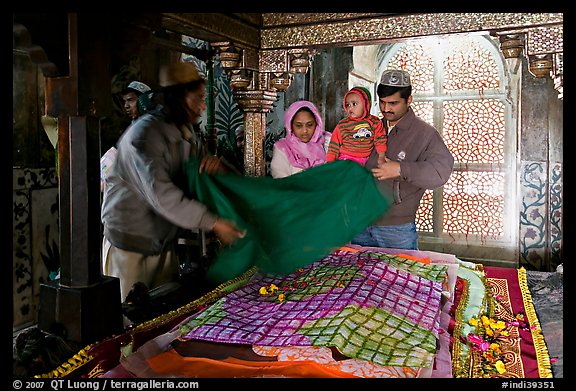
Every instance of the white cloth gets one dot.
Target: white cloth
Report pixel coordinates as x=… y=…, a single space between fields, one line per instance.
x=280 y=166
x=131 y=267
x=106 y=162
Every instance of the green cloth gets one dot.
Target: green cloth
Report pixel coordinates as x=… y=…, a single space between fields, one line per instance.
x=290 y=222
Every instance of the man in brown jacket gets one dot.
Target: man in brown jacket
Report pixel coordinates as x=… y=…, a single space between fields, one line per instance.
x=416 y=159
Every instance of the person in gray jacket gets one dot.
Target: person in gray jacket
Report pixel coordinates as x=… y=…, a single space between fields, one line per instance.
x=416 y=159
x=145 y=201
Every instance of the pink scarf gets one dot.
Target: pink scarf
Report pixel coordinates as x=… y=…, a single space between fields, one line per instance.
x=303 y=155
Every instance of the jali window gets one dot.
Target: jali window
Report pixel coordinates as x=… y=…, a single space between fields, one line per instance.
x=460 y=84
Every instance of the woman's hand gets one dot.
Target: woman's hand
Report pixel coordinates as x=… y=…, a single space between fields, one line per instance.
x=212 y=165
x=227 y=232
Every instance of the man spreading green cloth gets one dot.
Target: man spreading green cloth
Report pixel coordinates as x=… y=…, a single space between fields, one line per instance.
x=290 y=222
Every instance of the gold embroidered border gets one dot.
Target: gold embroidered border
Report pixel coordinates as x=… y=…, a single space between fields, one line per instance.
x=460 y=365
x=542 y=355
x=84 y=357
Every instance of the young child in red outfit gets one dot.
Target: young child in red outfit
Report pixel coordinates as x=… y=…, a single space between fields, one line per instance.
x=356 y=135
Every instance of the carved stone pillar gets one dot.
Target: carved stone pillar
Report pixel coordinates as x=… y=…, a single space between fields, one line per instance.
x=256 y=76
x=255 y=104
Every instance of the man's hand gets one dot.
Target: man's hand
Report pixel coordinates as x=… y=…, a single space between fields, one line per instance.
x=212 y=165
x=227 y=231
x=386 y=169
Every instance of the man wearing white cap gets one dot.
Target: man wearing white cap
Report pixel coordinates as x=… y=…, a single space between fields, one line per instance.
x=417 y=159
x=146 y=203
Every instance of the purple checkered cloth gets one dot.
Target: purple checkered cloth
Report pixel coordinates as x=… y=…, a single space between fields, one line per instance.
x=358 y=302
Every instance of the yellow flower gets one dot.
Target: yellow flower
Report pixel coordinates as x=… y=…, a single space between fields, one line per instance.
x=500 y=325
x=263 y=290
x=500 y=367
x=281 y=297
x=273 y=288
x=473 y=321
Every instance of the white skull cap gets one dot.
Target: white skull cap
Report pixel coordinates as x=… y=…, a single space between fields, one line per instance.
x=138 y=86
x=395 y=78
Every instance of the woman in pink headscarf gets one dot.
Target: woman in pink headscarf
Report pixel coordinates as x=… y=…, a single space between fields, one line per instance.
x=305 y=143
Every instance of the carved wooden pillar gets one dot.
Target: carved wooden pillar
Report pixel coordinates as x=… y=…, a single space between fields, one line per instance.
x=82 y=302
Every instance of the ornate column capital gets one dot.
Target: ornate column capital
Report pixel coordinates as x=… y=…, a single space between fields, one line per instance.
x=255 y=100
x=300 y=60
x=512 y=45
x=543 y=46
x=230 y=55
x=540 y=65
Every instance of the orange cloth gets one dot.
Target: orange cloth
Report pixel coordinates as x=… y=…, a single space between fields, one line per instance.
x=411 y=257
x=171 y=364
x=349 y=249
x=414 y=258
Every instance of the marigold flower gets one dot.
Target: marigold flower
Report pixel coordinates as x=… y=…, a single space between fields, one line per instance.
x=500 y=367
x=486 y=340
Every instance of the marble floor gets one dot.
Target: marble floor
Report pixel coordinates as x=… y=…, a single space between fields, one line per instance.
x=548 y=297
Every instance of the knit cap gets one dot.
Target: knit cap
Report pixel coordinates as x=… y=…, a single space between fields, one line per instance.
x=366 y=97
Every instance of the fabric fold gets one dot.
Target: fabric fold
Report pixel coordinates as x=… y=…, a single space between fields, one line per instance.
x=290 y=222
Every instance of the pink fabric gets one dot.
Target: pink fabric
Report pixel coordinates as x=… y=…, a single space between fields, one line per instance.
x=360 y=160
x=303 y=155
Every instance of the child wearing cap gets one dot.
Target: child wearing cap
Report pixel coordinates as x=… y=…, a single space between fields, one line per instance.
x=417 y=159
x=355 y=136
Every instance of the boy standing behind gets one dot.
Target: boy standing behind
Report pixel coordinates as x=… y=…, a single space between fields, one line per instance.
x=356 y=135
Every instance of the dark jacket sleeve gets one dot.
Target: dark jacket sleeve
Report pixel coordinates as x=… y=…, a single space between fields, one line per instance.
x=433 y=167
